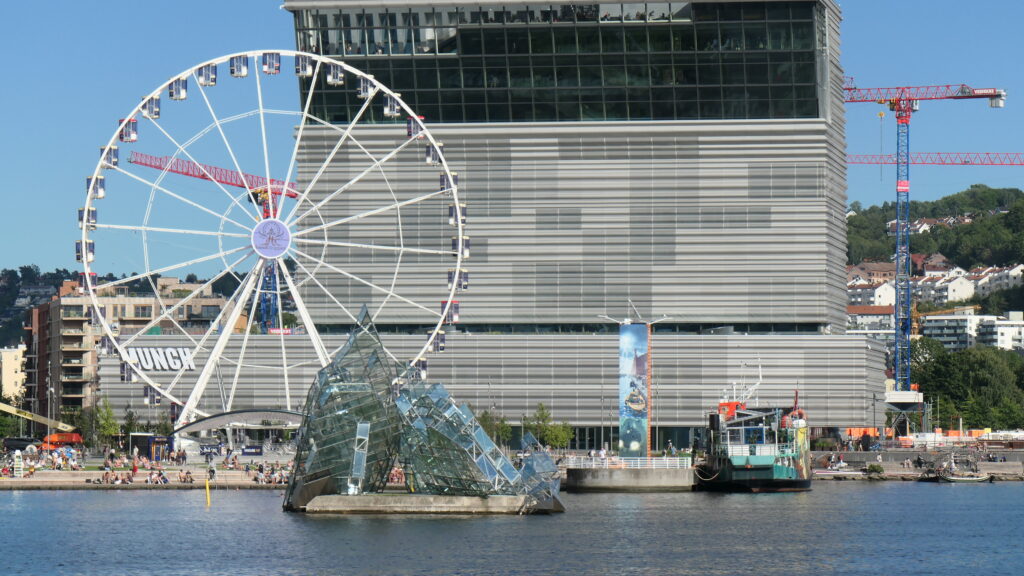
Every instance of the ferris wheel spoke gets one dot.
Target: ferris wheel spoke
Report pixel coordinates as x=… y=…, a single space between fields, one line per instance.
x=280 y=324
x=168 y=230
x=307 y=320
x=169 y=268
x=327 y=292
x=155 y=186
x=213 y=361
x=349 y=275
x=217 y=323
x=263 y=129
x=245 y=339
x=217 y=122
x=330 y=157
x=376 y=164
x=298 y=141
x=167 y=313
x=374 y=212
x=203 y=169
x=401 y=249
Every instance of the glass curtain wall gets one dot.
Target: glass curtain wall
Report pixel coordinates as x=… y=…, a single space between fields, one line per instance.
x=570 y=62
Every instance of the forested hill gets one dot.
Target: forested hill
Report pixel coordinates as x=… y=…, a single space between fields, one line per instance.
x=11 y=282
x=993 y=240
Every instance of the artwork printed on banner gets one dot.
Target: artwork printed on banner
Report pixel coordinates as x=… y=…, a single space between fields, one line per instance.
x=633 y=402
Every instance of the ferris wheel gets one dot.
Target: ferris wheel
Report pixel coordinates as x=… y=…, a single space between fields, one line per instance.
x=245 y=216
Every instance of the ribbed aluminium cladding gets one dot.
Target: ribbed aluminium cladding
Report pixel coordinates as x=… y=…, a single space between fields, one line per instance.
x=706 y=221
x=576 y=375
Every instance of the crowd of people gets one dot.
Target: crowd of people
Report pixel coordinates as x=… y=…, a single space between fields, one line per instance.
x=65 y=458
x=263 y=473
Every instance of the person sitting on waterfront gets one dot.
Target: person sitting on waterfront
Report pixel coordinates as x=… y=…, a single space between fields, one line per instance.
x=188 y=477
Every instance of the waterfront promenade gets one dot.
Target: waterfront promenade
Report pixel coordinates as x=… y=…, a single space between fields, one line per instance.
x=92 y=480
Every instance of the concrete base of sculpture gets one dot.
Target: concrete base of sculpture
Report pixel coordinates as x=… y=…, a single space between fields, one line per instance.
x=419 y=504
x=628 y=480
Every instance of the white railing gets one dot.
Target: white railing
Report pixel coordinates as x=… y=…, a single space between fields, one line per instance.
x=617 y=462
x=759 y=449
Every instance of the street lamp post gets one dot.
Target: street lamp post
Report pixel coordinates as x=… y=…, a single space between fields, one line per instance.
x=874 y=413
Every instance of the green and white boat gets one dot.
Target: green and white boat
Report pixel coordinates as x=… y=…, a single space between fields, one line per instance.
x=756 y=449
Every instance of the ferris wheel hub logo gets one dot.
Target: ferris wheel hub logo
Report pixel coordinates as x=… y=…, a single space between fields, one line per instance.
x=271 y=238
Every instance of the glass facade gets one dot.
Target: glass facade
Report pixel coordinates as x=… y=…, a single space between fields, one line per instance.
x=572 y=62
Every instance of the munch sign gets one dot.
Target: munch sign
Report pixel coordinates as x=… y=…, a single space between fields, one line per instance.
x=159 y=359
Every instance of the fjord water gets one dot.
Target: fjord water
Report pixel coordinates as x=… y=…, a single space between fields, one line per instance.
x=838 y=528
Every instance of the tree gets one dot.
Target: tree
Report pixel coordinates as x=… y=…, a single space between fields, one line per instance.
x=88 y=422
x=163 y=426
x=558 y=435
x=9 y=425
x=227 y=284
x=288 y=319
x=981 y=384
x=542 y=426
x=106 y=424
x=538 y=423
x=29 y=274
x=496 y=427
x=131 y=421
x=191 y=278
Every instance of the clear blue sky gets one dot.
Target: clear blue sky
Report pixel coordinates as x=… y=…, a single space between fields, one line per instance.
x=74 y=67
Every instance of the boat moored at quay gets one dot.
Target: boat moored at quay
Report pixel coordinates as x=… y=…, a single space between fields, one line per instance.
x=755 y=449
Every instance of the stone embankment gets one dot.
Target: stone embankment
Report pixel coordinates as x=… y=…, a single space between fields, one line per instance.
x=894 y=468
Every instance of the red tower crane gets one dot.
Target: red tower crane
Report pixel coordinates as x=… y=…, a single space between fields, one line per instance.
x=944 y=158
x=258 y=185
x=904 y=101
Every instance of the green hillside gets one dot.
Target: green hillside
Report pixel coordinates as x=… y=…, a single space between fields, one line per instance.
x=990 y=240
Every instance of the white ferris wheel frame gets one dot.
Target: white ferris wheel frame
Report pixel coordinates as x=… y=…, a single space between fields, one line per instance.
x=238 y=301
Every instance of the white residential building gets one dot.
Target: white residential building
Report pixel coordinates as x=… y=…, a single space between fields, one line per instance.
x=870 y=318
x=12 y=372
x=991 y=279
x=954 y=331
x=941 y=290
x=871 y=294
x=876 y=322
x=1006 y=333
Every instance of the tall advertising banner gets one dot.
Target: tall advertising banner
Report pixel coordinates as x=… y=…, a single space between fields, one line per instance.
x=634 y=379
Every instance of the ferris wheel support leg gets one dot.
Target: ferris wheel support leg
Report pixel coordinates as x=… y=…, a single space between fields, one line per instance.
x=218 y=347
x=318 y=344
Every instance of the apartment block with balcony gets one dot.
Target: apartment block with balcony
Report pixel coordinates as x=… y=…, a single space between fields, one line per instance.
x=64 y=335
